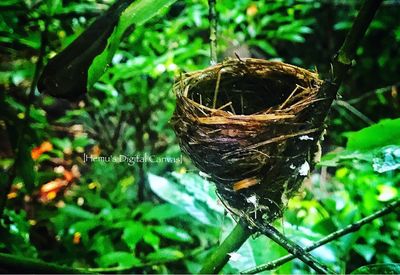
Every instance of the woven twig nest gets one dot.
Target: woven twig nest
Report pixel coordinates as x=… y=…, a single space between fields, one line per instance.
x=247 y=123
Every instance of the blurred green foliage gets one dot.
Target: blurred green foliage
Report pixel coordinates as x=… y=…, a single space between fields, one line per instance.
x=163 y=217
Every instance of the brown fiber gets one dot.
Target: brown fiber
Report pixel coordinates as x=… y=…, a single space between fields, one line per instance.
x=248 y=124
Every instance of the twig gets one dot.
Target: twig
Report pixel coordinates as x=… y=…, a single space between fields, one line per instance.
x=371 y=93
x=331 y=237
x=213 y=31
x=354 y=111
x=297 y=252
x=220 y=257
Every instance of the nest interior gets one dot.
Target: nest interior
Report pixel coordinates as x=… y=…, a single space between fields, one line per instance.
x=248 y=124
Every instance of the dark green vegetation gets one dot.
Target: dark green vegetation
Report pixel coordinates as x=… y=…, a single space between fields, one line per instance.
x=162 y=217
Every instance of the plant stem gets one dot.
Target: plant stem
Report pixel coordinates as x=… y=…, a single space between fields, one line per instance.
x=233 y=242
x=213 y=31
x=344 y=57
x=331 y=237
x=12 y=263
x=297 y=252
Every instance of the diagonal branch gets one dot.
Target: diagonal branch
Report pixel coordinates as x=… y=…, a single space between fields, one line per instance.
x=331 y=237
x=293 y=248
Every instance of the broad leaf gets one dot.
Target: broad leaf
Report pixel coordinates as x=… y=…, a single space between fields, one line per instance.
x=84 y=61
x=386 y=132
x=193 y=195
x=138 y=13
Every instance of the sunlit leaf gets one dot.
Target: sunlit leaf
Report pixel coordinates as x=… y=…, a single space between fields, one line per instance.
x=386 y=132
x=136 y=13
x=191 y=197
x=173 y=233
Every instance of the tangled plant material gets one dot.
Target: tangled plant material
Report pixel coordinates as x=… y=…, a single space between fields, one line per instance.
x=248 y=123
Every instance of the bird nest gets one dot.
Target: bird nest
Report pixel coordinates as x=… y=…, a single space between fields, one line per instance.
x=247 y=123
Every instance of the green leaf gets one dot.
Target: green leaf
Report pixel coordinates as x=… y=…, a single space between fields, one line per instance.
x=76 y=212
x=267 y=47
x=378 y=269
x=165 y=254
x=151 y=239
x=102 y=244
x=173 y=233
x=366 y=251
x=83 y=227
x=163 y=212
x=133 y=233
x=386 y=132
x=119 y=259
x=25 y=166
x=194 y=196
x=387 y=159
x=136 y=13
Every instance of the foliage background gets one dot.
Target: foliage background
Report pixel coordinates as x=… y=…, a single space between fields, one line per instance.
x=165 y=217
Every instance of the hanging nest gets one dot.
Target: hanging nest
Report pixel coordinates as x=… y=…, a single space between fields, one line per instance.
x=248 y=124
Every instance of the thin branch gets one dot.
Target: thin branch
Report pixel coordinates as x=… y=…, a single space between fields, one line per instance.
x=343 y=59
x=354 y=111
x=293 y=248
x=367 y=12
x=378 y=91
x=233 y=242
x=213 y=31
x=331 y=237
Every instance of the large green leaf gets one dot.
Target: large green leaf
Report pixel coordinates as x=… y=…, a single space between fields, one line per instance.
x=386 y=132
x=136 y=13
x=84 y=61
x=191 y=193
x=378 y=269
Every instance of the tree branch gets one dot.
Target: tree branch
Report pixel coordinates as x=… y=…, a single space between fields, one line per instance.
x=331 y=237
x=343 y=59
x=293 y=248
x=233 y=242
x=213 y=31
